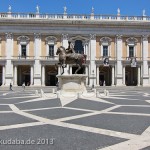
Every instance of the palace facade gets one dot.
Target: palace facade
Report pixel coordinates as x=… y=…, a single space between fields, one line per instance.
x=117 y=48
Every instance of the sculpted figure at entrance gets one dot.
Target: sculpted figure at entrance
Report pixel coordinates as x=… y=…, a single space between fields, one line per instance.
x=68 y=56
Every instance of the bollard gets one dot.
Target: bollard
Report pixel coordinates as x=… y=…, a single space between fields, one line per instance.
x=97 y=94
x=53 y=91
x=36 y=92
x=78 y=95
x=107 y=93
x=58 y=95
x=42 y=93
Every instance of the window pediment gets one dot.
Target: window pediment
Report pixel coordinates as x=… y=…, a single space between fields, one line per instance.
x=51 y=40
x=23 y=40
x=105 y=41
x=131 y=41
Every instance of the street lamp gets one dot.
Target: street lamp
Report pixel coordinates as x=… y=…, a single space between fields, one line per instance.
x=93 y=79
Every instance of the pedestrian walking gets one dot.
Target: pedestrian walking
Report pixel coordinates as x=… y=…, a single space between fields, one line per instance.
x=23 y=85
x=10 y=87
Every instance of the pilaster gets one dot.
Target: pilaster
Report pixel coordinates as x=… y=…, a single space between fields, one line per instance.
x=15 y=75
x=65 y=40
x=37 y=54
x=119 y=77
x=9 y=53
x=92 y=70
x=145 y=64
x=113 y=76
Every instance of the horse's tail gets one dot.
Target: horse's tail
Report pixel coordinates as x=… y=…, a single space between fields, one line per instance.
x=84 y=58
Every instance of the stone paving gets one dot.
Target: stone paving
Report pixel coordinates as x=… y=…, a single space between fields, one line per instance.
x=120 y=121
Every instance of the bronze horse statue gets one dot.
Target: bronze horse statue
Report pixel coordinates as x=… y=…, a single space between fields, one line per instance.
x=70 y=58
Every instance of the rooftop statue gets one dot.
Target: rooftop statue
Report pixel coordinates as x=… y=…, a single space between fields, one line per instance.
x=68 y=56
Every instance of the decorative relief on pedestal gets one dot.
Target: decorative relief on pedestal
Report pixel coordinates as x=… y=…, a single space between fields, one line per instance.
x=65 y=36
x=37 y=35
x=51 y=40
x=145 y=37
x=9 y=35
x=23 y=39
x=93 y=36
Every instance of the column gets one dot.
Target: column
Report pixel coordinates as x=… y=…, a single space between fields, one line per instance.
x=37 y=54
x=3 y=78
x=9 y=54
x=87 y=74
x=113 y=83
x=119 y=77
x=43 y=75
x=145 y=64
x=124 y=75
x=59 y=70
x=31 y=75
x=139 y=75
x=70 y=70
x=97 y=76
x=92 y=70
x=15 y=75
x=65 y=40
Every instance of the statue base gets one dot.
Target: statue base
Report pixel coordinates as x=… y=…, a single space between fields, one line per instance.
x=74 y=83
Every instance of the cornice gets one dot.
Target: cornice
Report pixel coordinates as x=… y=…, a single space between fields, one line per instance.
x=133 y=24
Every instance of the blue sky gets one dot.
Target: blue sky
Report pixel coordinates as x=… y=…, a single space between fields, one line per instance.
x=127 y=7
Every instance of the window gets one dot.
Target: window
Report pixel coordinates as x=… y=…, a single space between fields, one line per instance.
x=23 y=51
x=51 y=50
x=131 y=51
x=79 y=47
x=105 y=46
x=131 y=47
x=105 y=51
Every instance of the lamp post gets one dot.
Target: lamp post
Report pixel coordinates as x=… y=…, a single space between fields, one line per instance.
x=93 y=79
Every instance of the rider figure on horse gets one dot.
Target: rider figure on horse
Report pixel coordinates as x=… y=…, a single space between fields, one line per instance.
x=70 y=48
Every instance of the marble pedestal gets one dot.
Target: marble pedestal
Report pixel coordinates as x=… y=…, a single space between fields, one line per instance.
x=74 y=83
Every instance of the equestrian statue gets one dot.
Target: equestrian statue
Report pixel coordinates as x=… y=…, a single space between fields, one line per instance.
x=68 y=56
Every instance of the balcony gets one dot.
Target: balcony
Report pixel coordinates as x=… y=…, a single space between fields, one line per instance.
x=100 y=60
x=130 y=58
x=23 y=60
x=49 y=60
x=23 y=57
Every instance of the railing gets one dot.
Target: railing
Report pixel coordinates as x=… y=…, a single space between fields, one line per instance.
x=72 y=17
x=23 y=57
x=130 y=58
x=103 y=57
x=49 y=57
x=2 y=57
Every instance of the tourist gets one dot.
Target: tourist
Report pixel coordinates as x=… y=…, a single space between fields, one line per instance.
x=23 y=85
x=10 y=87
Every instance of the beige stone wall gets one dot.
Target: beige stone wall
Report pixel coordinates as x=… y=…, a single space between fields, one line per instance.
x=58 y=41
x=43 y=44
x=113 y=47
x=98 y=47
x=3 y=46
x=31 y=46
x=149 y=48
x=124 y=47
x=15 y=47
x=138 y=48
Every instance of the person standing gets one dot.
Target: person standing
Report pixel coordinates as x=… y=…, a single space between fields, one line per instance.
x=23 y=85
x=10 y=87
